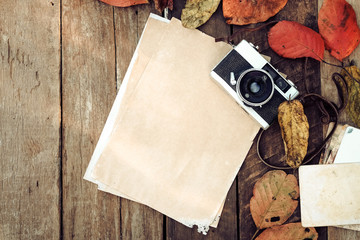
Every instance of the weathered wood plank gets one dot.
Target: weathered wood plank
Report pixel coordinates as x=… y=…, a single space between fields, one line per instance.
x=89 y=89
x=342 y=234
x=328 y=89
x=137 y=221
x=29 y=119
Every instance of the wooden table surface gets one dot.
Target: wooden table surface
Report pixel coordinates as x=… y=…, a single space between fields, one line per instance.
x=61 y=64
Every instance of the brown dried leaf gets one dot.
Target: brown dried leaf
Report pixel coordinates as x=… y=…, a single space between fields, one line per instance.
x=244 y=12
x=197 y=12
x=274 y=199
x=160 y=5
x=294 y=130
x=338 y=26
x=353 y=106
x=293 y=40
x=293 y=231
x=124 y=3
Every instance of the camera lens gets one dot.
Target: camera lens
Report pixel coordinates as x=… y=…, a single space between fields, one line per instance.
x=255 y=87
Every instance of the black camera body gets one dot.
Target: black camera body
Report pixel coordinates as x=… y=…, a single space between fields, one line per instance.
x=253 y=83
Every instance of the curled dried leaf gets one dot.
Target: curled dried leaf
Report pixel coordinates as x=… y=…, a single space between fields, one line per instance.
x=197 y=12
x=353 y=106
x=248 y=11
x=292 y=231
x=338 y=26
x=294 y=130
x=294 y=40
x=274 y=199
x=124 y=3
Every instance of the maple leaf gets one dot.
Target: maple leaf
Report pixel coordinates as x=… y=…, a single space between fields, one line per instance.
x=197 y=12
x=293 y=231
x=124 y=3
x=248 y=11
x=294 y=40
x=294 y=131
x=274 y=199
x=338 y=26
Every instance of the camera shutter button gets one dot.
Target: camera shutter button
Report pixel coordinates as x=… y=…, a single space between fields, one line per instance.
x=232 y=78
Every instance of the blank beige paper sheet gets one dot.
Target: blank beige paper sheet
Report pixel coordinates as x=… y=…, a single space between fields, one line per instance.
x=174 y=140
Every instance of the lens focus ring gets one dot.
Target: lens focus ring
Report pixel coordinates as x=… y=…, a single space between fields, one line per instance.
x=255 y=87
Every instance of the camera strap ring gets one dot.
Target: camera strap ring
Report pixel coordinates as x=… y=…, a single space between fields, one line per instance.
x=330 y=113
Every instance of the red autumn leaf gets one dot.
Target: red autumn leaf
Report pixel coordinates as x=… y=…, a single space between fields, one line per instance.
x=293 y=231
x=160 y=5
x=124 y=3
x=293 y=40
x=338 y=26
x=248 y=11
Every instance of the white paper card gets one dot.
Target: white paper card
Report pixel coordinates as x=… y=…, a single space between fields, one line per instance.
x=330 y=194
x=349 y=147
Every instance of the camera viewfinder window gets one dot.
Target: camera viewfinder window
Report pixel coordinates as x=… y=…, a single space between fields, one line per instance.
x=278 y=80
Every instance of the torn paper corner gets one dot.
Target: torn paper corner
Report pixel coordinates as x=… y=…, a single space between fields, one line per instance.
x=202 y=226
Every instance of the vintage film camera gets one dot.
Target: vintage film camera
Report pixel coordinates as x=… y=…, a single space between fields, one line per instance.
x=255 y=84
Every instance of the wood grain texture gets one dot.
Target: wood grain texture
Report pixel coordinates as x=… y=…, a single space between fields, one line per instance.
x=29 y=120
x=88 y=92
x=137 y=221
x=61 y=64
x=335 y=233
x=328 y=89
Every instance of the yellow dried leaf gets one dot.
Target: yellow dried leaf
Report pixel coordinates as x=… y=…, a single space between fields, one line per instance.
x=294 y=130
x=353 y=106
x=197 y=12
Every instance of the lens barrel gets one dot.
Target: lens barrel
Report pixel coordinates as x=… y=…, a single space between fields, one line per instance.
x=255 y=87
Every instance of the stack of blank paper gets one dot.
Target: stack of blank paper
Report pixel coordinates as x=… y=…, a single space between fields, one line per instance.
x=174 y=140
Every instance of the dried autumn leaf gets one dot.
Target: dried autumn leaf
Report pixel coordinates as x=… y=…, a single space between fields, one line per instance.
x=338 y=26
x=160 y=5
x=274 y=199
x=294 y=130
x=293 y=40
x=248 y=11
x=197 y=12
x=124 y=3
x=353 y=106
x=293 y=231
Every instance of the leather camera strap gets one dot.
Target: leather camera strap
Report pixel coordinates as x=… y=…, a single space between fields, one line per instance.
x=330 y=113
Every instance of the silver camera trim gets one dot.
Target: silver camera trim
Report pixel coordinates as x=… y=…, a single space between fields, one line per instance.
x=242 y=97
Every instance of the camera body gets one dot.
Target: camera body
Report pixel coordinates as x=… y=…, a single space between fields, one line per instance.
x=253 y=83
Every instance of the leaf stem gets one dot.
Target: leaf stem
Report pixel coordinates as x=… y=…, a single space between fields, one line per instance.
x=331 y=64
x=257 y=231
